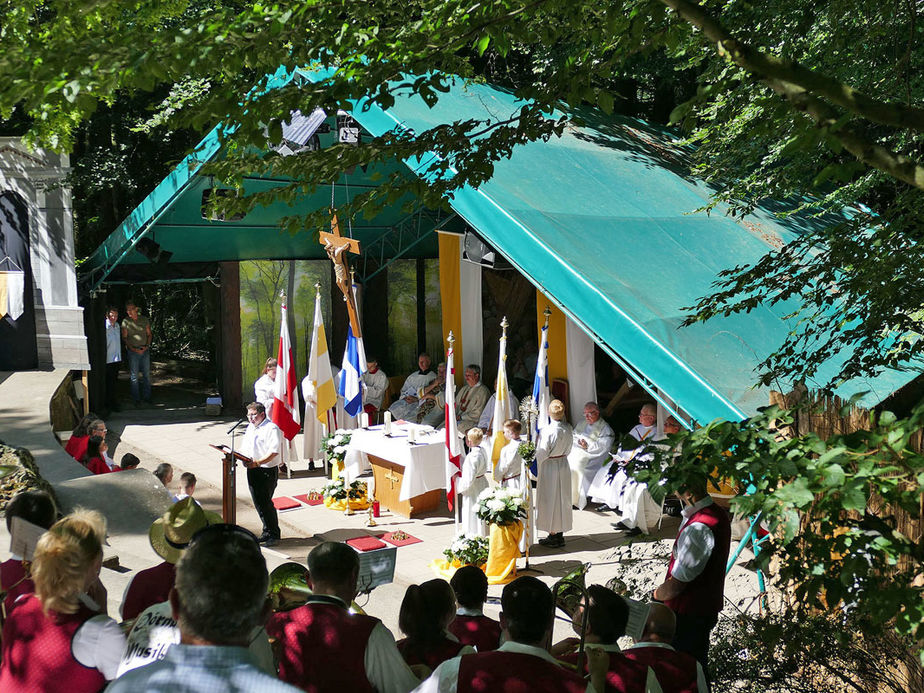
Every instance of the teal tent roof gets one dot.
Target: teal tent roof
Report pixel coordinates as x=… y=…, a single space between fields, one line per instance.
x=604 y=221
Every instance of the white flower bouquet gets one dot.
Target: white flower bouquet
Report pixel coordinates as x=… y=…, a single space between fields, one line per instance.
x=466 y=550
x=337 y=490
x=500 y=506
x=334 y=446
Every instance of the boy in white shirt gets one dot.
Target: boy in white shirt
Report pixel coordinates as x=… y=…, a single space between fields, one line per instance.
x=510 y=465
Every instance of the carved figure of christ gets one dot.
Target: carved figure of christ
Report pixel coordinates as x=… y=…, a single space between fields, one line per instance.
x=335 y=245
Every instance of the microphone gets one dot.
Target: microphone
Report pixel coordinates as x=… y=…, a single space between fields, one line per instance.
x=240 y=421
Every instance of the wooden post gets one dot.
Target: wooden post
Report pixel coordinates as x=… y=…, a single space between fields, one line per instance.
x=228 y=487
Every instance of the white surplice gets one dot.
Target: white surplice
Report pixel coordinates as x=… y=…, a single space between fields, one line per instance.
x=553 y=490
x=415 y=382
x=472 y=482
x=585 y=463
x=609 y=491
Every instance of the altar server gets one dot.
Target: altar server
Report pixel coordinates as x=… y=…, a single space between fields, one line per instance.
x=472 y=483
x=510 y=465
x=553 y=491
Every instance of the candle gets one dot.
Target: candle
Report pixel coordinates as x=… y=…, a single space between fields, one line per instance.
x=364 y=420
x=412 y=434
x=388 y=423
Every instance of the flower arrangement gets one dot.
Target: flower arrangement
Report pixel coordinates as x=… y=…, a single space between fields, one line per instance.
x=334 y=446
x=527 y=450
x=337 y=490
x=500 y=507
x=466 y=550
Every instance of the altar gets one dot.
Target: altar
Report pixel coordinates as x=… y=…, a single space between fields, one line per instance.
x=409 y=477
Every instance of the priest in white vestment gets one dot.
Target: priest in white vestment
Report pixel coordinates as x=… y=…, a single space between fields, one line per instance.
x=470 y=401
x=593 y=439
x=553 y=489
x=608 y=490
x=405 y=407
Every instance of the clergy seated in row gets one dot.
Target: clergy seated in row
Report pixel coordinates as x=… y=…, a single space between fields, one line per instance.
x=321 y=646
x=639 y=512
x=607 y=617
x=471 y=626
x=405 y=407
x=593 y=439
x=522 y=663
x=429 y=396
x=471 y=399
x=375 y=383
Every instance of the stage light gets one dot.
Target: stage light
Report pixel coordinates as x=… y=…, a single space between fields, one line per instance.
x=152 y=251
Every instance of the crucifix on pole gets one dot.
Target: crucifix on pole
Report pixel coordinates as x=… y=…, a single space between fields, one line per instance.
x=335 y=245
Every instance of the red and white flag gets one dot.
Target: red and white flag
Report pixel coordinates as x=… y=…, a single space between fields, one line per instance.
x=285 y=398
x=453 y=446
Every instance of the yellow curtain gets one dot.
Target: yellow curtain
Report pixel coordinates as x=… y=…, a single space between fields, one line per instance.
x=450 y=297
x=503 y=551
x=558 y=346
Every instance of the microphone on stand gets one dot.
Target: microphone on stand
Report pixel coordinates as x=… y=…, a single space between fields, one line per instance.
x=240 y=421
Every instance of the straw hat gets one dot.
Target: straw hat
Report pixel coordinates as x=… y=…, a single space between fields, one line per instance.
x=171 y=533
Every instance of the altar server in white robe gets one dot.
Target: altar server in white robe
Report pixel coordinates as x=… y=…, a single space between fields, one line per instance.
x=509 y=469
x=593 y=439
x=609 y=491
x=640 y=512
x=405 y=407
x=553 y=490
x=473 y=482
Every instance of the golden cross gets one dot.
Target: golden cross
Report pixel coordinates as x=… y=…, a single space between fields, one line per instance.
x=335 y=245
x=392 y=478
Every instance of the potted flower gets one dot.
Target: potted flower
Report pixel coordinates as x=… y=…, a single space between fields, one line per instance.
x=504 y=511
x=334 y=446
x=337 y=494
x=467 y=550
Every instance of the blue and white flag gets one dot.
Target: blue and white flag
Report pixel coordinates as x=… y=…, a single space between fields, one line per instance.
x=350 y=385
x=541 y=394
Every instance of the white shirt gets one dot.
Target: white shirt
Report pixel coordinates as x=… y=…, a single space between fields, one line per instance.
x=487 y=414
x=694 y=544
x=113 y=342
x=445 y=678
x=98 y=642
x=375 y=384
x=701 y=684
x=264 y=390
x=260 y=440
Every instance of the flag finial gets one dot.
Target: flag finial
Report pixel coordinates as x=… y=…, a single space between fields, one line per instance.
x=547 y=313
x=317 y=288
x=451 y=339
x=504 y=325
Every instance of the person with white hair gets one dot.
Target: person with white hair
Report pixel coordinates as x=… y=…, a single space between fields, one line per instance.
x=405 y=407
x=593 y=439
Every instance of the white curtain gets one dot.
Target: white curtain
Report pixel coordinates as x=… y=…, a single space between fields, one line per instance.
x=582 y=386
x=472 y=314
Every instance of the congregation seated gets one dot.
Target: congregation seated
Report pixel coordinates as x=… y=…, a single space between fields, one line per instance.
x=471 y=626
x=218 y=601
x=129 y=461
x=677 y=672
x=359 y=651
x=405 y=407
x=187 y=486
x=522 y=663
x=61 y=633
x=169 y=536
x=94 y=458
x=76 y=445
x=607 y=614
x=426 y=612
x=38 y=509
x=164 y=473
x=590 y=448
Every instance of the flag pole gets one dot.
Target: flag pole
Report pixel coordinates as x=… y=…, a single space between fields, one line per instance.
x=451 y=374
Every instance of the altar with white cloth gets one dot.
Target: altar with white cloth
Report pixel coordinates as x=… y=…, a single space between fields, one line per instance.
x=409 y=477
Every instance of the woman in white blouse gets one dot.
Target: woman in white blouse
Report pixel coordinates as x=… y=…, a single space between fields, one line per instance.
x=265 y=386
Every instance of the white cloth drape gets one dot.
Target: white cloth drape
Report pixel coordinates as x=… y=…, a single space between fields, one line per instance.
x=471 y=310
x=582 y=387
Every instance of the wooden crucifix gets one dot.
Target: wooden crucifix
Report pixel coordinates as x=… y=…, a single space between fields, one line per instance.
x=335 y=245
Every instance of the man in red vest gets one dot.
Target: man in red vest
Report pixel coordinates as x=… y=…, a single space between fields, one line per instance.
x=470 y=625
x=677 y=672
x=695 y=583
x=322 y=647
x=523 y=662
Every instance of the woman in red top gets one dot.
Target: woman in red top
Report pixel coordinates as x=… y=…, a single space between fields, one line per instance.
x=95 y=457
x=76 y=445
x=59 y=638
x=426 y=612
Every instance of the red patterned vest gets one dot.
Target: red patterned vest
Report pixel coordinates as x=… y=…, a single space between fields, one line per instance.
x=703 y=595
x=149 y=587
x=37 y=651
x=480 y=632
x=515 y=672
x=622 y=676
x=676 y=671
x=432 y=654
x=322 y=646
x=13 y=582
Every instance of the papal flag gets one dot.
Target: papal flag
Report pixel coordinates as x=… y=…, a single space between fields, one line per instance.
x=285 y=399
x=541 y=395
x=501 y=402
x=318 y=386
x=453 y=445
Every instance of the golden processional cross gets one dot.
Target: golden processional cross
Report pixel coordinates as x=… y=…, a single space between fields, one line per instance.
x=335 y=245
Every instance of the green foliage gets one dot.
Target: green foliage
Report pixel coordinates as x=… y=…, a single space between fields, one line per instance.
x=827 y=539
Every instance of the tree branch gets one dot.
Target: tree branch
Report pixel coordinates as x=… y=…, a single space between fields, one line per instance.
x=769 y=66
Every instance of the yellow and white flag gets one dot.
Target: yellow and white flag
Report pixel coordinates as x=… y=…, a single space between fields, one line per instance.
x=501 y=402
x=318 y=386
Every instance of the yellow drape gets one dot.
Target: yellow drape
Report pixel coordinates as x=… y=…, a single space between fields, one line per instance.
x=451 y=298
x=503 y=551
x=558 y=347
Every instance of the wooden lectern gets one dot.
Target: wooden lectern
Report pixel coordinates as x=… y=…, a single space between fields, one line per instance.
x=228 y=481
